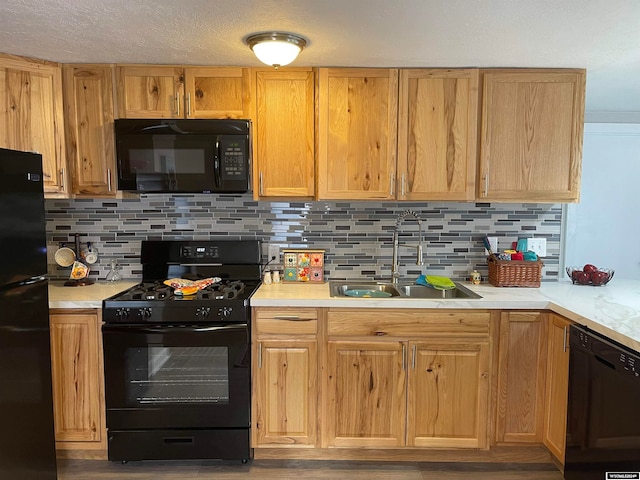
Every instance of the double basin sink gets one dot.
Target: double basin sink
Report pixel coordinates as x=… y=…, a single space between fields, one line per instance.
x=365 y=289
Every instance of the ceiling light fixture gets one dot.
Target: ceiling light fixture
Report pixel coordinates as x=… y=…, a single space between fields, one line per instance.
x=276 y=48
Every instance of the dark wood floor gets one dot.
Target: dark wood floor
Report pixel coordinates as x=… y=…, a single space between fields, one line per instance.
x=72 y=469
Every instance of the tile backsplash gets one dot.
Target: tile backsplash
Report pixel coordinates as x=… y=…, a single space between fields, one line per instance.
x=357 y=236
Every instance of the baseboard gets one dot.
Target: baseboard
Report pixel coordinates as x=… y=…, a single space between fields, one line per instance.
x=515 y=454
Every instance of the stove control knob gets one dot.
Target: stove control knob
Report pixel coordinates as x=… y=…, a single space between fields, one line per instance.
x=144 y=313
x=203 y=312
x=224 y=312
x=123 y=313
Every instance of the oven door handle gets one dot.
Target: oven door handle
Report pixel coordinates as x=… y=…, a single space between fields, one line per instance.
x=172 y=328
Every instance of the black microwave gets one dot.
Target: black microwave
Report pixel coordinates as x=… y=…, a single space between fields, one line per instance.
x=183 y=156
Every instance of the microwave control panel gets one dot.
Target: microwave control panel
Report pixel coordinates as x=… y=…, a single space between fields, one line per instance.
x=234 y=160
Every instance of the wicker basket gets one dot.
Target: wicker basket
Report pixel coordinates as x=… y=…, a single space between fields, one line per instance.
x=514 y=273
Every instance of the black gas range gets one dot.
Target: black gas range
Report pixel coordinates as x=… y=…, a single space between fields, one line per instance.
x=233 y=265
x=177 y=366
x=155 y=302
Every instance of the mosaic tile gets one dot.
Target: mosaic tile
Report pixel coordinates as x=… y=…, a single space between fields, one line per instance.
x=353 y=234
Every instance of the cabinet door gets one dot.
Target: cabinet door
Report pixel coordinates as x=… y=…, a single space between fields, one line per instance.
x=521 y=377
x=284 y=135
x=31 y=116
x=88 y=100
x=216 y=92
x=366 y=394
x=357 y=133
x=285 y=393
x=437 y=134
x=531 y=139
x=76 y=366
x=555 y=424
x=150 y=92
x=448 y=394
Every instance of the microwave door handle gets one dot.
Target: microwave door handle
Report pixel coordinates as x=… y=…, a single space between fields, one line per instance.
x=216 y=164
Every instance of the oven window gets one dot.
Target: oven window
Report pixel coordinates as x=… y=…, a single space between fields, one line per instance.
x=159 y=374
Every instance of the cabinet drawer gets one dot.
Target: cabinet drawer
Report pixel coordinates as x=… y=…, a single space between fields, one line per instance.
x=378 y=323
x=300 y=321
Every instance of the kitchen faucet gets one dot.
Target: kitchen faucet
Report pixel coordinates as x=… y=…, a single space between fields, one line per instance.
x=394 y=263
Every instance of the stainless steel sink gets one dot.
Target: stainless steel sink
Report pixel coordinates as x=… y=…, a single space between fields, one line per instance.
x=420 y=291
x=340 y=289
x=401 y=290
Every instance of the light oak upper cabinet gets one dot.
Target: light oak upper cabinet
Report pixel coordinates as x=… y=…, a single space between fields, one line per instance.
x=555 y=424
x=357 y=133
x=148 y=91
x=531 y=135
x=285 y=373
x=284 y=133
x=31 y=116
x=521 y=377
x=88 y=103
x=216 y=92
x=437 y=134
x=78 y=378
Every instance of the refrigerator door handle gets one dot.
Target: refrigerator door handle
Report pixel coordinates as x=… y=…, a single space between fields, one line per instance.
x=23 y=283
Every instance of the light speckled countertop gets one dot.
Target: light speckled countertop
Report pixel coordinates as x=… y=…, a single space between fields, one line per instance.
x=613 y=310
x=88 y=296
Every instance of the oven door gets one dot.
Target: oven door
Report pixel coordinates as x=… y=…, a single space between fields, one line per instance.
x=177 y=376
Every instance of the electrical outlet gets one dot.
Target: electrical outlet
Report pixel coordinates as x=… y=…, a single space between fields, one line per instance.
x=537 y=245
x=273 y=253
x=493 y=241
x=52 y=247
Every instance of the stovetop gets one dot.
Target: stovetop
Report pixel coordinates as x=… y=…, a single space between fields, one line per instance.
x=157 y=291
x=233 y=264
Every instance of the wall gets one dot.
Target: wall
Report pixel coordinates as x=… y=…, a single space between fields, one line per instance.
x=602 y=228
x=357 y=236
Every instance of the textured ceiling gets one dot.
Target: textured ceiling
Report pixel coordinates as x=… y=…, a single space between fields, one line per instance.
x=602 y=36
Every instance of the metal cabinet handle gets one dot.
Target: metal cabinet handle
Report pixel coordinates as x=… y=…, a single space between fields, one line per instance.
x=189 y=104
x=402 y=183
x=486 y=185
x=393 y=181
x=177 y=104
x=260 y=187
x=109 y=179
x=259 y=355
x=62 y=186
x=404 y=356
x=564 y=339
x=292 y=318
x=413 y=357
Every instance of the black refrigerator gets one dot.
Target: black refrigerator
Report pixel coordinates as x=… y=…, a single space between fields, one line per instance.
x=27 y=446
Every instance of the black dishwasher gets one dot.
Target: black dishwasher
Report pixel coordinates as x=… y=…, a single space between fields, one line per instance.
x=603 y=412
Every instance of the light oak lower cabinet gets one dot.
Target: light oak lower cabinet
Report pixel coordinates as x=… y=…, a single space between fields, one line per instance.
x=78 y=379
x=406 y=378
x=366 y=394
x=285 y=387
x=555 y=419
x=448 y=392
x=521 y=377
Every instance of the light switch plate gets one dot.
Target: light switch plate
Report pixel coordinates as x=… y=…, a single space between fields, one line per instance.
x=537 y=245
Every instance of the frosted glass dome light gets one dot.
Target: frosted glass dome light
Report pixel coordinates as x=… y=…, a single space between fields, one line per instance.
x=276 y=48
